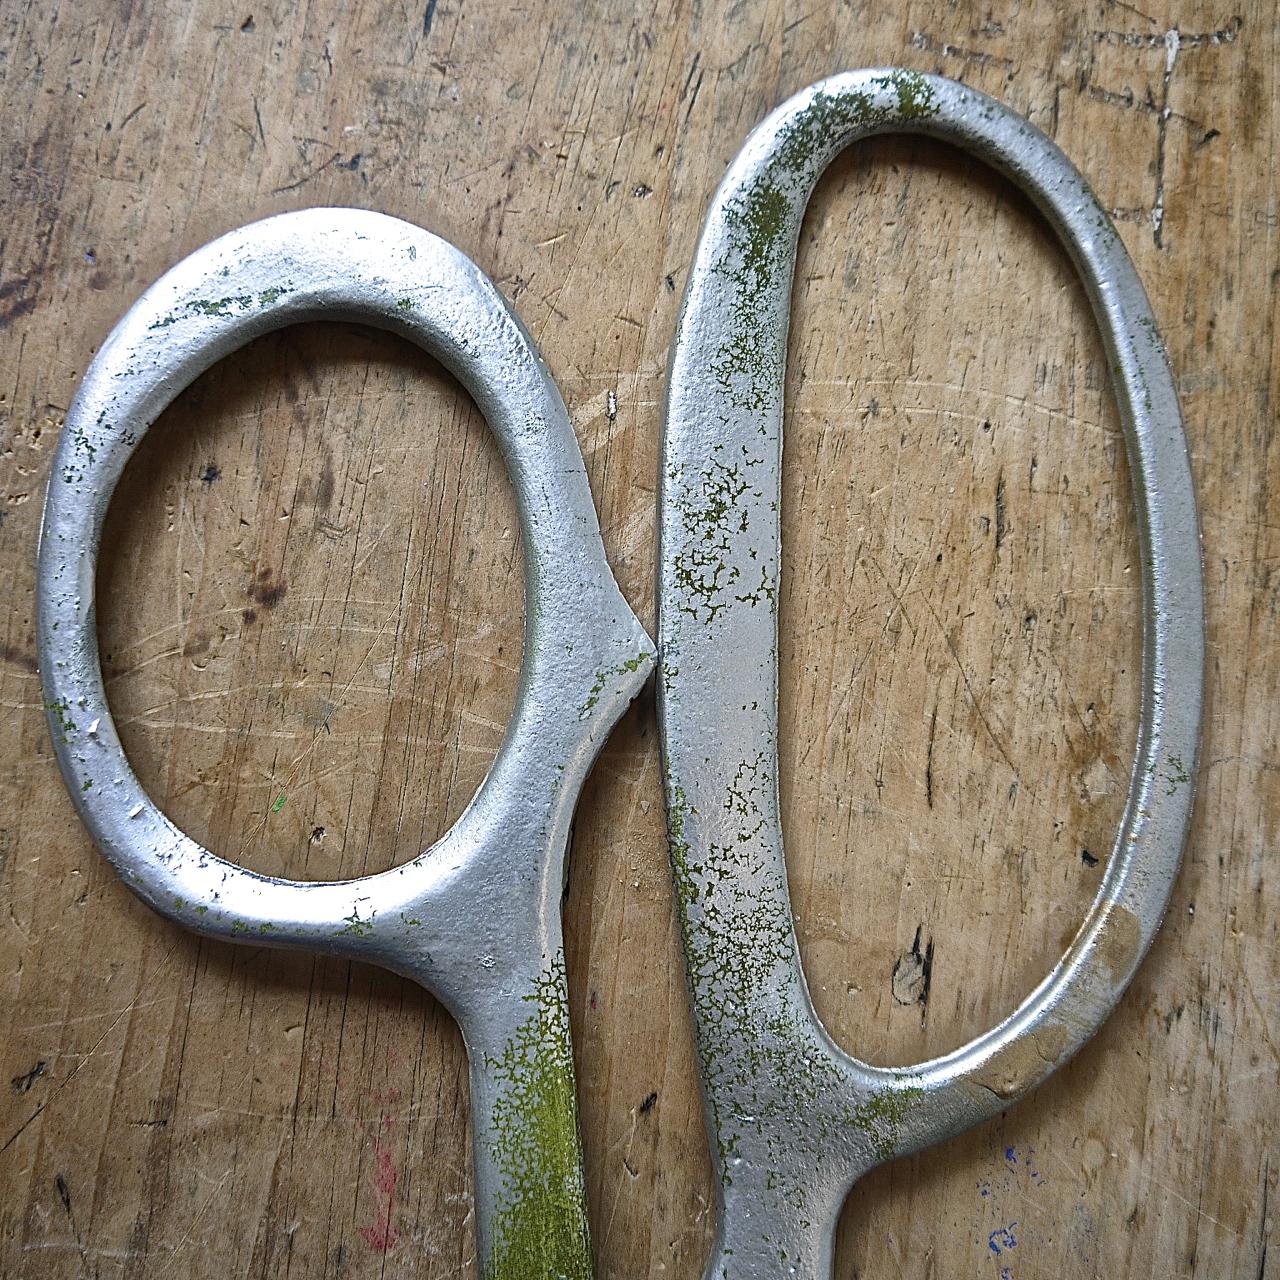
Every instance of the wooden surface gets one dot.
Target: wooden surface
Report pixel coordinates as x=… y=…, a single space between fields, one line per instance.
x=309 y=606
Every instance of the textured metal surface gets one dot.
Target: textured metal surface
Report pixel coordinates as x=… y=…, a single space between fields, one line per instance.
x=794 y=1120
x=476 y=917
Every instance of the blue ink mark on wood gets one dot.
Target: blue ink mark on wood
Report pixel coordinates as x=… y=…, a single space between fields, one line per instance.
x=1002 y=1239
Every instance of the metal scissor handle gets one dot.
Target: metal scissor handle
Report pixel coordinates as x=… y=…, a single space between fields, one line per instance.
x=794 y=1120
x=475 y=918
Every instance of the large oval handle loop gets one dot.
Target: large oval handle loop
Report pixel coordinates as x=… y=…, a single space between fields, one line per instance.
x=475 y=918
x=795 y=1120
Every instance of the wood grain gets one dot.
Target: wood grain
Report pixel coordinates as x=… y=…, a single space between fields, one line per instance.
x=310 y=609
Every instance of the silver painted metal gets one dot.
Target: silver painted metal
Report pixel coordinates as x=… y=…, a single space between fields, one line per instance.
x=793 y=1119
x=476 y=917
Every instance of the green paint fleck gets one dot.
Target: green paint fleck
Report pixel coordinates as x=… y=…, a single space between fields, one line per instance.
x=713 y=518
x=220 y=306
x=880 y=1117
x=61 y=711
x=355 y=927
x=915 y=95
x=540 y=1222
x=1176 y=776
x=81 y=441
x=280 y=803
x=604 y=676
x=223 y=307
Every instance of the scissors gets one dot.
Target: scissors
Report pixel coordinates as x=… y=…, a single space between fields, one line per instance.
x=793 y=1121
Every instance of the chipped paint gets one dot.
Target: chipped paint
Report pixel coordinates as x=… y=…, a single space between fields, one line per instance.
x=224 y=307
x=602 y=681
x=1120 y=942
x=1023 y=1062
x=539 y=1225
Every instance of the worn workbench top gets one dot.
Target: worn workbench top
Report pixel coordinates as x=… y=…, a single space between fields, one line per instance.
x=310 y=614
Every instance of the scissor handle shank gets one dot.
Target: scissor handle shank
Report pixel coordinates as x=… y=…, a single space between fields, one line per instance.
x=475 y=918
x=795 y=1120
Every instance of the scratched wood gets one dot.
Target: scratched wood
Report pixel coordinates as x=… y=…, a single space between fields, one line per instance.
x=309 y=607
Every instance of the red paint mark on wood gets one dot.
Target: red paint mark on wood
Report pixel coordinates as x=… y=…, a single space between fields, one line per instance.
x=386 y=1179
x=381 y=1236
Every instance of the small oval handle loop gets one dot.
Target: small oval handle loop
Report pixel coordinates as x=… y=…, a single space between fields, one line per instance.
x=475 y=918
x=796 y=1120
